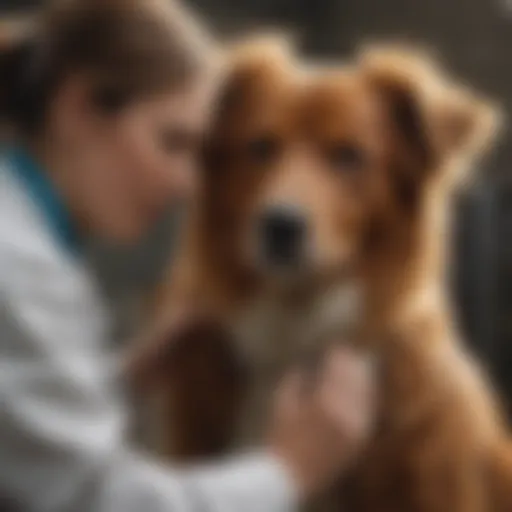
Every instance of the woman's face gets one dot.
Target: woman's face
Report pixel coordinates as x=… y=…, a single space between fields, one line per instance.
x=135 y=163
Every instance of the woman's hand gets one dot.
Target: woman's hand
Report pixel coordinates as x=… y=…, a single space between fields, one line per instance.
x=317 y=431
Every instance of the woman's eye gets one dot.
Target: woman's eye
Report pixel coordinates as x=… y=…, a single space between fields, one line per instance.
x=344 y=156
x=264 y=149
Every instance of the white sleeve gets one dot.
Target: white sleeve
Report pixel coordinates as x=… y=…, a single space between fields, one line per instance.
x=62 y=427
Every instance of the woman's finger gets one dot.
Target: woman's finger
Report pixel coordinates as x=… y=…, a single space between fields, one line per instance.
x=347 y=391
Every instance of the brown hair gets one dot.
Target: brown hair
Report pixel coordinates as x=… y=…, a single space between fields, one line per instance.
x=127 y=48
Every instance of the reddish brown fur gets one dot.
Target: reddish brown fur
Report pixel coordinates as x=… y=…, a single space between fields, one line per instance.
x=441 y=444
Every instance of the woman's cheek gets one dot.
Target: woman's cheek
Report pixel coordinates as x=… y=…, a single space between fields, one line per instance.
x=186 y=177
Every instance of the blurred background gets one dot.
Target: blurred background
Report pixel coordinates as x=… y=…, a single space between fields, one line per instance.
x=474 y=37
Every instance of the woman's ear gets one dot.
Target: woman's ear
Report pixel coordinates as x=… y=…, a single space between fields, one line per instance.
x=434 y=117
x=79 y=119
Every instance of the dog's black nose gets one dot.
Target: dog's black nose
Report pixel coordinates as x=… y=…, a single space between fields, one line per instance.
x=283 y=231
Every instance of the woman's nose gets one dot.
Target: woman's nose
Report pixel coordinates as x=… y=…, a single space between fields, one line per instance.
x=183 y=181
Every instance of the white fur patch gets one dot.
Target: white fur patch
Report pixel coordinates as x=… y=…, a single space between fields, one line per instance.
x=272 y=334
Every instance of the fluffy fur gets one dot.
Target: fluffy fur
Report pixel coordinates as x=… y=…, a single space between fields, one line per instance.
x=372 y=151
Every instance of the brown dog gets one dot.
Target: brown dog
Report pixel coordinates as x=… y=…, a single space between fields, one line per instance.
x=325 y=205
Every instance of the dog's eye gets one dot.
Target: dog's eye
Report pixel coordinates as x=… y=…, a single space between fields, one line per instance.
x=263 y=149
x=345 y=156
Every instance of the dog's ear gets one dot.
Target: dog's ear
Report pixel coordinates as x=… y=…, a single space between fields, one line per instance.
x=434 y=118
x=255 y=68
x=254 y=65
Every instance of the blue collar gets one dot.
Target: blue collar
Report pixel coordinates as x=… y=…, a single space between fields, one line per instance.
x=46 y=198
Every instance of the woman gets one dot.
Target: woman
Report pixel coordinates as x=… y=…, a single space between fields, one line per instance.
x=105 y=103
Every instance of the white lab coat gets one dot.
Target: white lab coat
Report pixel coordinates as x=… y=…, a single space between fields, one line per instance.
x=62 y=419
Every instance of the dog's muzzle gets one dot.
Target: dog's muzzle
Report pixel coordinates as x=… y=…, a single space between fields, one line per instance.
x=282 y=237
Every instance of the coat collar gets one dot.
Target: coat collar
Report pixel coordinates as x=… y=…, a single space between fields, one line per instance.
x=44 y=194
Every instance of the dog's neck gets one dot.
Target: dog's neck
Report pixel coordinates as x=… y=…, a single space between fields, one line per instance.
x=278 y=328
x=406 y=279
x=277 y=325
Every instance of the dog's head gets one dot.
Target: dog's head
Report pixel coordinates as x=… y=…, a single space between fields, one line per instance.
x=305 y=166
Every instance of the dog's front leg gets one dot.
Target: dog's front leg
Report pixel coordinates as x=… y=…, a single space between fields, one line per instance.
x=199 y=394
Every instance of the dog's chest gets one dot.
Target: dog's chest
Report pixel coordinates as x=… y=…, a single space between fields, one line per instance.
x=272 y=334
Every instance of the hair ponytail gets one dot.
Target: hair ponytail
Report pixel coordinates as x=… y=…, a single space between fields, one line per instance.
x=21 y=94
